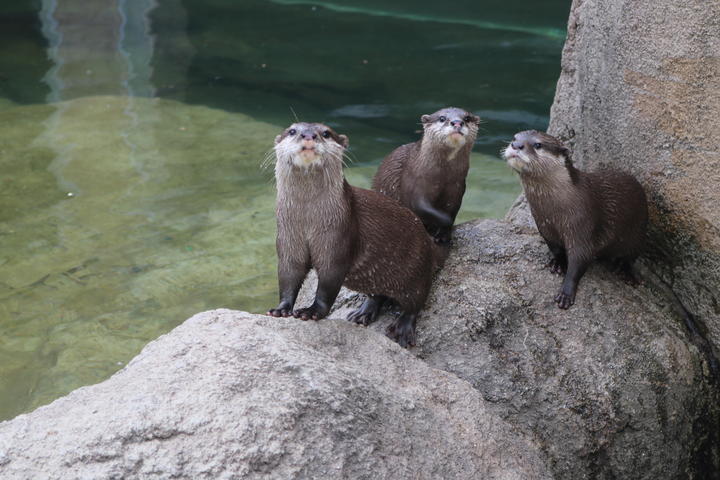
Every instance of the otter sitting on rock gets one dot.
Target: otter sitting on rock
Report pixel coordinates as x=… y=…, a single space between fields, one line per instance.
x=428 y=176
x=581 y=215
x=350 y=236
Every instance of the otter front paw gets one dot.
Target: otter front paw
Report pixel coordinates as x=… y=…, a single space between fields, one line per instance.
x=630 y=279
x=368 y=311
x=313 y=312
x=282 y=310
x=361 y=317
x=557 y=267
x=402 y=332
x=443 y=239
x=628 y=276
x=565 y=300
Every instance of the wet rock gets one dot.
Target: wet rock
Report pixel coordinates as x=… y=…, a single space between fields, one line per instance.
x=639 y=91
x=234 y=395
x=614 y=387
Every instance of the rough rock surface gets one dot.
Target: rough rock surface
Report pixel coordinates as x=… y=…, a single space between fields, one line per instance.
x=639 y=91
x=614 y=387
x=230 y=395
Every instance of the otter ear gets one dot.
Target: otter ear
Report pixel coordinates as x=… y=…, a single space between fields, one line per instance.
x=475 y=118
x=344 y=141
x=277 y=139
x=425 y=119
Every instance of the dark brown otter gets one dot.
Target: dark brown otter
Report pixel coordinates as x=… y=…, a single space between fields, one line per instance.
x=428 y=176
x=581 y=215
x=350 y=236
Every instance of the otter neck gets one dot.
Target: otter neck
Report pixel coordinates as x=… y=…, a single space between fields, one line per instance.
x=544 y=182
x=317 y=185
x=433 y=151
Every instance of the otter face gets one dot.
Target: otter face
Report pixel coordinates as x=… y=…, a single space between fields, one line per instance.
x=304 y=145
x=532 y=151
x=453 y=127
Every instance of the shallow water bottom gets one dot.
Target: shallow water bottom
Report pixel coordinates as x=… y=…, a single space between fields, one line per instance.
x=121 y=217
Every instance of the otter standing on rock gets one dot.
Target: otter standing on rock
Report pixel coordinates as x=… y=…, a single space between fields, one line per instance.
x=349 y=235
x=428 y=176
x=581 y=215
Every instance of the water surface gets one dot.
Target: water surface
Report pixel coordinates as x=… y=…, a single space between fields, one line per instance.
x=132 y=132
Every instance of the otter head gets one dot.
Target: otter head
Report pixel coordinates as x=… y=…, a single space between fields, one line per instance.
x=452 y=127
x=306 y=145
x=535 y=152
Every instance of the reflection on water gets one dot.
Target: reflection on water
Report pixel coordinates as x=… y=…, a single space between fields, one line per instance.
x=123 y=211
x=412 y=15
x=155 y=230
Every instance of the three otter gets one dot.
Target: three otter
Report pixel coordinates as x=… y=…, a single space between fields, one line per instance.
x=581 y=215
x=428 y=176
x=358 y=238
x=349 y=235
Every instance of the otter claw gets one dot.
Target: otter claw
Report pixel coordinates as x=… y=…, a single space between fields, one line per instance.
x=443 y=241
x=309 y=313
x=629 y=277
x=402 y=331
x=405 y=337
x=368 y=311
x=564 y=300
x=280 y=311
x=556 y=267
x=360 y=317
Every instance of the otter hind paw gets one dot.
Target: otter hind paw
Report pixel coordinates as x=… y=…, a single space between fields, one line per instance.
x=313 y=312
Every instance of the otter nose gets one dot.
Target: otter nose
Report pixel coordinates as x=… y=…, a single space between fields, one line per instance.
x=457 y=123
x=308 y=135
x=517 y=145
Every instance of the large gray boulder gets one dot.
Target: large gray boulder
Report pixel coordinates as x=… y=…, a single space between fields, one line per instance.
x=230 y=395
x=614 y=387
x=640 y=91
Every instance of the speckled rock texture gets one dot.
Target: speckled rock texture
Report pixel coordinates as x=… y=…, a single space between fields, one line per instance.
x=640 y=91
x=230 y=395
x=612 y=388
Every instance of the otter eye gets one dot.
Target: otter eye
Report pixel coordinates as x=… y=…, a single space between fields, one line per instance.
x=467 y=119
x=537 y=146
x=442 y=119
x=326 y=134
x=292 y=132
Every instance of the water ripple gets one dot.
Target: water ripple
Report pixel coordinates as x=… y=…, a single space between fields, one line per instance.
x=485 y=25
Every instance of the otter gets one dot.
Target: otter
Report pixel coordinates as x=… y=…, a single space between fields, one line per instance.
x=580 y=215
x=350 y=236
x=428 y=176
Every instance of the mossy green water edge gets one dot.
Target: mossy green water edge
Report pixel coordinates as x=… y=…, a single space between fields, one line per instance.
x=120 y=217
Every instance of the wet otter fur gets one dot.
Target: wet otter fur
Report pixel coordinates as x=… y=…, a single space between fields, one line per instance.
x=350 y=236
x=428 y=176
x=581 y=215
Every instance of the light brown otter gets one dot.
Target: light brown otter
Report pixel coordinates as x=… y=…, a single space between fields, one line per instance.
x=350 y=236
x=428 y=176
x=581 y=215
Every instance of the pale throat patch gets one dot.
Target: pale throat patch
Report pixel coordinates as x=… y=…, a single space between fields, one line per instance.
x=306 y=158
x=455 y=140
x=515 y=159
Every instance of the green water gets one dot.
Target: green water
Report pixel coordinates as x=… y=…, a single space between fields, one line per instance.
x=131 y=137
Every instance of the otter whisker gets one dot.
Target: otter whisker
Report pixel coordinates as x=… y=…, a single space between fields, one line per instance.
x=346 y=156
x=268 y=160
x=297 y=119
